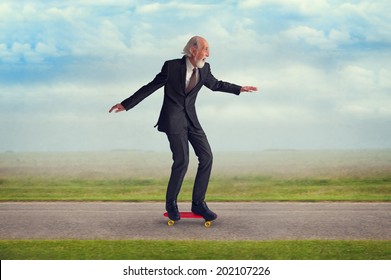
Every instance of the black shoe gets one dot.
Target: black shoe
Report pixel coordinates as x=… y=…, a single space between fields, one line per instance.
x=203 y=210
x=172 y=211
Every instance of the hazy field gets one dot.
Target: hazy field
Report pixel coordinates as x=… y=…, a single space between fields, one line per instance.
x=139 y=164
x=363 y=175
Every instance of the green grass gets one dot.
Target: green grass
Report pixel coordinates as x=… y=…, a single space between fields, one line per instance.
x=235 y=188
x=187 y=250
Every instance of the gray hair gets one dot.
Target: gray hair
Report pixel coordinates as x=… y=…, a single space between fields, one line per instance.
x=193 y=42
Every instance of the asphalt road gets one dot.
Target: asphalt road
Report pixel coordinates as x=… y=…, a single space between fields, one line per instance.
x=237 y=221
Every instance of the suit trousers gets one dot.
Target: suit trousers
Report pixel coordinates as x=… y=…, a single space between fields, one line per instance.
x=179 y=145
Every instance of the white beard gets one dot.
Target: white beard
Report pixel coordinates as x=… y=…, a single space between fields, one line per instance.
x=200 y=63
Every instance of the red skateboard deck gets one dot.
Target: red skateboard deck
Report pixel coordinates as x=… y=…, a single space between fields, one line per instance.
x=188 y=215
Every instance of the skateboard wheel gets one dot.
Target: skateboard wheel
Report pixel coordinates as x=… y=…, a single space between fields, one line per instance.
x=207 y=224
x=170 y=223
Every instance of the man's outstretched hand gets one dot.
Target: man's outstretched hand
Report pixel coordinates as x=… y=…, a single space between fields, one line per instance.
x=117 y=108
x=248 y=89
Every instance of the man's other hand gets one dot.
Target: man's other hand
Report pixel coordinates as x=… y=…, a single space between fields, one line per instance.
x=117 y=108
x=248 y=89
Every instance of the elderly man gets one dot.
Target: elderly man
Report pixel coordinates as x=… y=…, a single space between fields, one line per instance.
x=182 y=79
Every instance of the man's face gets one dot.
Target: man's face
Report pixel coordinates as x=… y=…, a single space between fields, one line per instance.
x=200 y=54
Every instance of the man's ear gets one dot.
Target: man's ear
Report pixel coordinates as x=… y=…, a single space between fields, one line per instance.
x=193 y=51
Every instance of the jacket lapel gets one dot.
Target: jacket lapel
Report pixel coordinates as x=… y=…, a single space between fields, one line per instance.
x=200 y=75
x=183 y=74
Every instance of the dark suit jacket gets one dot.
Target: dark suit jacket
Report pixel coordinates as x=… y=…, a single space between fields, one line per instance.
x=177 y=104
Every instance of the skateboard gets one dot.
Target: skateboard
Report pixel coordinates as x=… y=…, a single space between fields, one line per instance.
x=188 y=215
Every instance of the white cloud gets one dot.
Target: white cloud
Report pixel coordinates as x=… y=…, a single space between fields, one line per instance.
x=385 y=79
x=307 y=34
x=358 y=79
x=25 y=52
x=339 y=37
x=150 y=8
x=5 y=11
x=317 y=38
x=6 y=56
x=70 y=13
x=302 y=6
x=46 y=50
x=179 y=8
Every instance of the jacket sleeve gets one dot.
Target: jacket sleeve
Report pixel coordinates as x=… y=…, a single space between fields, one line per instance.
x=159 y=81
x=213 y=84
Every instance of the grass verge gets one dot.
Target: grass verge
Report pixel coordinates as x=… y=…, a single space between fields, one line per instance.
x=188 y=250
x=238 y=188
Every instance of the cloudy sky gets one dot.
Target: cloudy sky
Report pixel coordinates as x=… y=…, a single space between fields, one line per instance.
x=323 y=68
